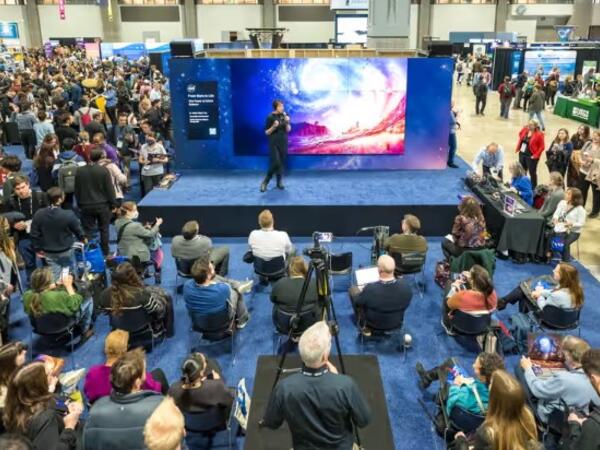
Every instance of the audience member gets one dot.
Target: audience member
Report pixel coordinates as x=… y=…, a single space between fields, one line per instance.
x=153 y=158
x=97 y=380
x=11 y=168
x=12 y=356
x=268 y=243
x=578 y=140
x=468 y=230
x=119 y=179
x=320 y=406
x=43 y=163
x=191 y=245
x=407 y=240
x=491 y=157
x=507 y=92
x=42 y=127
x=589 y=173
x=96 y=125
x=520 y=183
x=25 y=120
x=118 y=421
x=65 y=129
x=554 y=197
x=165 y=428
x=559 y=153
x=536 y=106
x=286 y=291
x=530 y=147
x=569 y=219
x=123 y=137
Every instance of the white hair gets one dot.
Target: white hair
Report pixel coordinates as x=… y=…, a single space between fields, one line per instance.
x=386 y=264
x=315 y=344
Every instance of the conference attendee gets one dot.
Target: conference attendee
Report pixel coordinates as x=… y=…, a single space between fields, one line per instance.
x=320 y=406
x=570 y=386
x=165 y=428
x=99 y=140
x=46 y=295
x=578 y=140
x=110 y=95
x=119 y=179
x=11 y=167
x=138 y=241
x=43 y=163
x=12 y=356
x=129 y=291
x=452 y=141
x=507 y=92
x=54 y=230
x=491 y=159
x=25 y=120
x=153 y=158
x=530 y=147
x=64 y=129
x=201 y=386
x=468 y=230
x=585 y=431
x=520 y=183
x=473 y=293
x=569 y=219
x=118 y=421
x=268 y=243
x=519 y=88
x=509 y=423
x=84 y=114
x=381 y=305
x=555 y=195
x=191 y=245
x=559 y=153
x=536 y=105
x=277 y=127
x=96 y=198
x=97 y=380
x=468 y=394
x=285 y=293
x=42 y=127
x=124 y=138
x=96 y=125
x=589 y=173
x=25 y=203
x=480 y=89
x=204 y=295
x=32 y=412
x=84 y=148
x=408 y=240
x=552 y=86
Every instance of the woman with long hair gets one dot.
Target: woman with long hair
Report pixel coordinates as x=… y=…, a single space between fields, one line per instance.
x=12 y=356
x=563 y=290
x=555 y=195
x=468 y=231
x=578 y=140
x=30 y=410
x=559 y=153
x=520 y=183
x=42 y=165
x=530 y=146
x=569 y=219
x=589 y=173
x=509 y=423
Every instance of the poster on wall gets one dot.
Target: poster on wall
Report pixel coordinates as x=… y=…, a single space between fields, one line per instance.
x=543 y=61
x=202 y=103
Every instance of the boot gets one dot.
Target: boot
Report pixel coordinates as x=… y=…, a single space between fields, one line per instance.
x=425 y=378
x=280 y=183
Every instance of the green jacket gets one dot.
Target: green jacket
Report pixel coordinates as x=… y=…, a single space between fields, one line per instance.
x=484 y=257
x=464 y=397
x=54 y=301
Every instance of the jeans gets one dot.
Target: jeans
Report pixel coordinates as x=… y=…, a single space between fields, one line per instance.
x=92 y=216
x=237 y=307
x=585 y=186
x=480 y=103
x=505 y=107
x=28 y=141
x=219 y=256
x=28 y=254
x=58 y=261
x=452 y=144
x=530 y=165
x=518 y=97
x=569 y=239
x=85 y=315
x=540 y=118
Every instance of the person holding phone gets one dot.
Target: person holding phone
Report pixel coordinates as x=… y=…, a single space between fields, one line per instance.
x=277 y=128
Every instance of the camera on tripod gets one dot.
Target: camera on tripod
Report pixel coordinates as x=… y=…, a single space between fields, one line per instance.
x=317 y=252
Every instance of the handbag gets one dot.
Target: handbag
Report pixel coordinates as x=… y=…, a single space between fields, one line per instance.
x=92 y=256
x=442 y=273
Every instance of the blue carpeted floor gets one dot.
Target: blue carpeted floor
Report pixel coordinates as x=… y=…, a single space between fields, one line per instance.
x=411 y=428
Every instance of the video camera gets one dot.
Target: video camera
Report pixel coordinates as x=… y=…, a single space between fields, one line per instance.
x=317 y=252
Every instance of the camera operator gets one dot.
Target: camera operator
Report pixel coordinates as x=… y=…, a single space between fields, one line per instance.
x=319 y=405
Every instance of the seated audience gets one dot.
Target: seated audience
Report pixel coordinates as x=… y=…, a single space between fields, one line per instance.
x=31 y=411
x=554 y=197
x=268 y=243
x=97 y=379
x=571 y=386
x=520 y=183
x=48 y=296
x=165 y=428
x=566 y=292
x=468 y=231
x=469 y=394
x=491 y=158
x=12 y=356
x=191 y=245
x=408 y=240
x=286 y=291
x=128 y=291
x=585 y=431
x=509 y=423
x=205 y=295
x=135 y=240
x=320 y=407
x=473 y=292
x=117 y=421
x=568 y=220
x=381 y=305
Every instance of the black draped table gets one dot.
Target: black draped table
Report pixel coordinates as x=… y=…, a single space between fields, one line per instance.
x=522 y=232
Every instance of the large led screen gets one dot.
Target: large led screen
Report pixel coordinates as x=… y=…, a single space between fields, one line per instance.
x=337 y=106
x=546 y=60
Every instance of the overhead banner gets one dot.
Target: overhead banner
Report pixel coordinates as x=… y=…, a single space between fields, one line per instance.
x=350 y=4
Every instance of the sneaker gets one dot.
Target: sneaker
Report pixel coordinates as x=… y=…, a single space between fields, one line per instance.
x=245 y=286
x=241 y=325
x=366 y=331
x=447 y=330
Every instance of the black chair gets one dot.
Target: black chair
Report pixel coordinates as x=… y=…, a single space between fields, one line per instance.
x=283 y=321
x=411 y=263
x=341 y=264
x=138 y=323
x=214 y=329
x=464 y=420
x=558 y=319
x=270 y=269
x=470 y=324
x=56 y=327
x=184 y=270
x=204 y=428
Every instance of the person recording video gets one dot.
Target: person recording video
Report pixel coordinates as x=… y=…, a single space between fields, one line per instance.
x=319 y=406
x=277 y=128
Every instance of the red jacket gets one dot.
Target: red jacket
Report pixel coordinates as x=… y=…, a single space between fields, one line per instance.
x=536 y=143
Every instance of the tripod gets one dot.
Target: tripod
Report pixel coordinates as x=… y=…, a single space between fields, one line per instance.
x=319 y=266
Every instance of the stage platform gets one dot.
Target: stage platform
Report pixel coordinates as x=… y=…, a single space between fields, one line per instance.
x=227 y=203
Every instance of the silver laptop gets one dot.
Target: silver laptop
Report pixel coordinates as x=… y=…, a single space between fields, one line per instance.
x=366 y=275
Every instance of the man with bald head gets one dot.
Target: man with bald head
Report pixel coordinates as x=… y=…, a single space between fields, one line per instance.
x=380 y=306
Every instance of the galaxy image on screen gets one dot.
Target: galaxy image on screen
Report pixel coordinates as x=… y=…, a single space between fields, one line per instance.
x=336 y=106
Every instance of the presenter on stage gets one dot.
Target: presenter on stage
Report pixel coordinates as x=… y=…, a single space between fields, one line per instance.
x=277 y=128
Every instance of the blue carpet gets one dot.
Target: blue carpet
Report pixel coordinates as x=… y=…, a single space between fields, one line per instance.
x=411 y=428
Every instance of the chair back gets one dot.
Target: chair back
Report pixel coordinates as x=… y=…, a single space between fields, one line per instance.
x=409 y=262
x=133 y=320
x=470 y=324
x=212 y=420
x=282 y=321
x=184 y=267
x=51 y=324
x=341 y=263
x=484 y=257
x=272 y=269
x=464 y=420
x=213 y=327
x=559 y=318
